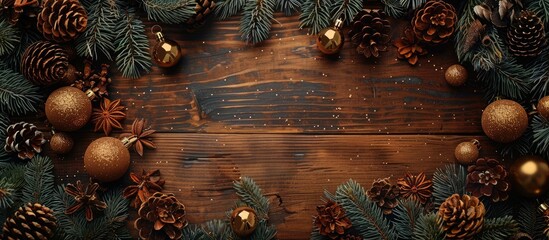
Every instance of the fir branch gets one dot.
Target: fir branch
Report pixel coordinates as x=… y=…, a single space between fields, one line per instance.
x=315 y=235
x=315 y=15
x=366 y=216
x=447 y=181
x=540 y=139
x=228 y=8
x=288 y=6
x=4 y=123
x=519 y=147
x=250 y=194
x=18 y=96
x=412 y=4
x=540 y=78
x=132 y=45
x=217 y=229
x=39 y=181
x=394 y=8
x=12 y=179
x=541 y=8
x=98 y=39
x=465 y=20
x=7 y=192
x=498 y=228
x=406 y=214
x=427 y=228
x=255 y=24
x=489 y=54
x=529 y=219
x=9 y=37
x=345 y=9
x=194 y=232
x=497 y=209
x=169 y=11
x=116 y=214
x=264 y=231
x=27 y=37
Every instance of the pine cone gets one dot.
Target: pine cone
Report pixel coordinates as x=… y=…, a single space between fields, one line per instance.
x=498 y=12
x=22 y=12
x=415 y=187
x=370 y=32
x=434 y=23
x=32 y=221
x=162 y=216
x=203 y=10
x=331 y=220
x=409 y=47
x=24 y=139
x=487 y=177
x=461 y=217
x=526 y=37
x=45 y=63
x=384 y=194
x=91 y=81
x=62 y=20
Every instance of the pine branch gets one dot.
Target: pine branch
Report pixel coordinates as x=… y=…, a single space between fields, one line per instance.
x=427 y=228
x=251 y=195
x=315 y=235
x=447 y=181
x=497 y=209
x=12 y=179
x=315 y=15
x=541 y=8
x=98 y=39
x=132 y=45
x=264 y=231
x=9 y=37
x=498 y=228
x=288 y=6
x=7 y=194
x=540 y=78
x=228 y=8
x=366 y=216
x=217 y=229
x=39 y=181
x=4 y=156
x=169 y=11
x=412 y=4
x=345 y=9
x=529 y=219
x=465 y=20
x=255 y=24
x=406 y=214
x=194 y=232
x=540 y=139
x=27 y=37
x=394 y=8
x=18 y=96
x=489 y=54
x=116 y=215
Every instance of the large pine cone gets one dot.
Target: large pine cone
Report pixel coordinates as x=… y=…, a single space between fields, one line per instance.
x=461 y=217
x=161 y=217
x=331 y=220
x=487 y=177
x=370 y=32
x=384 y=194
x=62 y=20
x=24 y=139
x=45 y=63
x=434 y=23
x=526 y=37
x=32 y=221
x=203 y=9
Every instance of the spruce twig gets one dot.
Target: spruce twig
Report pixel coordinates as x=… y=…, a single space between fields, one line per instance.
x=12 y=180
x=530 y=219
x=194 y=232
x=39 y=181
x=9 y=37
x=250 y=194
x=427 y=228
x=132 y=45
x=540 y=139
x=288 y=6
x=98 y=39
x=345 y=9
x=169 y=11
x=18 y=96
x=4 y=123
x=217 y=229
x=315 y=15
x=406 y=215
x=448 y=180
x=541 y=8
x=255 y=24
x=498 y=228
x=228 y=8
x=394 y=8
x=6 y=194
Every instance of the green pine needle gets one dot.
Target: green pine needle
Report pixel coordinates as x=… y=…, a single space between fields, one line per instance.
x=9 y=37
x=228 y=8
x=39 y=181
x=255 y=24
x=98 y=39
x=27 y=37
x=194 y=232
x=132 y=55
x=217 y=229
x=169 y=11
x=541 y=8
x=250 y=194
x=465 y=20
x=345 y=9
x=6 y=194
x=264 y=231
x=4 y=156
x=498 y=228
x=540 y=127
x=427 y=228
x=529 y=219
x=14 y=176
x=406 y=214
x=447 y=181
x=315 y=15
x=288 y=6
x=394 y=8
x=412 y=4
x=18 y=96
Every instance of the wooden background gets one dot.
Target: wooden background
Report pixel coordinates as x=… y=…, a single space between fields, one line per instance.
x=290 y=118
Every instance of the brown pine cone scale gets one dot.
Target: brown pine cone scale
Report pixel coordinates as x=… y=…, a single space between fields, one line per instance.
x=32 y=221
x=461 y=217
x=434 y=22
x=526 y=37
x=370 y=32
x=331 y=220
x=45 y=63
x=24 y=139
x=161 y=217
x=62 y=20
x=384 y=194
x=487 y=177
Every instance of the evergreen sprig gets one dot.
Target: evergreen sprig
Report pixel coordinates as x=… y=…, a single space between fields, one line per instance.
x=345 y=9
x=132 y=45
x=217 y=229
x=12 y=180
x=194 y=232
x=264 y=231
x=39 y=181
x=394 y=8
x=18 y=96
x=9 y=37
x=540 y=128
x=4 y=156
x=26 y=38
x=250 y=194
x=412 y=4
x=448 y=180
x=288 y=6
x=228 y=8
x=406 y=215
x=7 y=194
x=541 y=8
x=255 y=24
x=498 y=228
x=465 y=20
x=98 y=39
x=529 y=219
x=169 y=11
x=427 y=228
x=315 y=14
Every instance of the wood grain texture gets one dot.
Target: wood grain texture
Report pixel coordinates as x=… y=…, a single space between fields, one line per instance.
x=200 y=168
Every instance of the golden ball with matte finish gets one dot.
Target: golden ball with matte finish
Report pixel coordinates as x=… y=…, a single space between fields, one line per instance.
x=61 y=143
x=467 y=152
x=543 y=107
x=504 y=121
x=106 y=159
x=456 y=75
x=166 y=53
x=244 y=221
x=530 y=176
x=68 y=109
x=330 y=40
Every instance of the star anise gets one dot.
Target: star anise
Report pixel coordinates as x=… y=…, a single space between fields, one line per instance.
x=85 y=197
x=140 y=131
x=415 y=187
x=145 y=186
x=108 y=116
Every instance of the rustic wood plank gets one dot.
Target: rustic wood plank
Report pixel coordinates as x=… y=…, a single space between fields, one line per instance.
x=200 y=168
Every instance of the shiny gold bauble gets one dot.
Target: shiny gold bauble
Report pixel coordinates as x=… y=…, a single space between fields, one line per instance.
x=530 y=176
x=467 y=152
x=456 y=75
x=330 y=40
x=61 y=143
x=166 y=53
x=68 y=109
x=244 y=221
x=106 y=159
x=504 y=121
x=543 y=107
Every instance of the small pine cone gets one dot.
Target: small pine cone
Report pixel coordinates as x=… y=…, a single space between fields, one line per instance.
x=384 y=194
x=409 y=48
x=45 y=63
x=487 y=177
x=62 y=20
x=473 y=35
x=162 y=216
x=461 y=217
x=24 y=139
x=203 y=10
x=370 y=32
x=434 y=22
x=526 y=37
x=331 y=220
x=32 y=221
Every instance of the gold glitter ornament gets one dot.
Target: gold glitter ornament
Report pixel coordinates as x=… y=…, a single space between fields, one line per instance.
x=456 y=75
x=106 y=159
x=543 y=107
x=243 y=221
x=166 y=52
x=504 y=121
x=68 y=109
x=530 y=176
x=330 y=40
x=467 y=152
x=61 y=143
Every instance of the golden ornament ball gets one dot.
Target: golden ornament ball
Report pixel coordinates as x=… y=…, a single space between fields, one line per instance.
x=456 y=75
x=467 y=152
x=61 y=143
x=68 y=109
x=166 y=52
x=530 y=176
x=504 y=121
x=243 y=221
x=330 y=40
x=106 y=159
x=543 y=107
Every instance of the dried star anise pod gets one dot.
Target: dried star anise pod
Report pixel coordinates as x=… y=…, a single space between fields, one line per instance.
x=91 y=82
x=85 y=197
x=145 y=186
x=415 y=187
x=140 y=131
x=108 y=116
